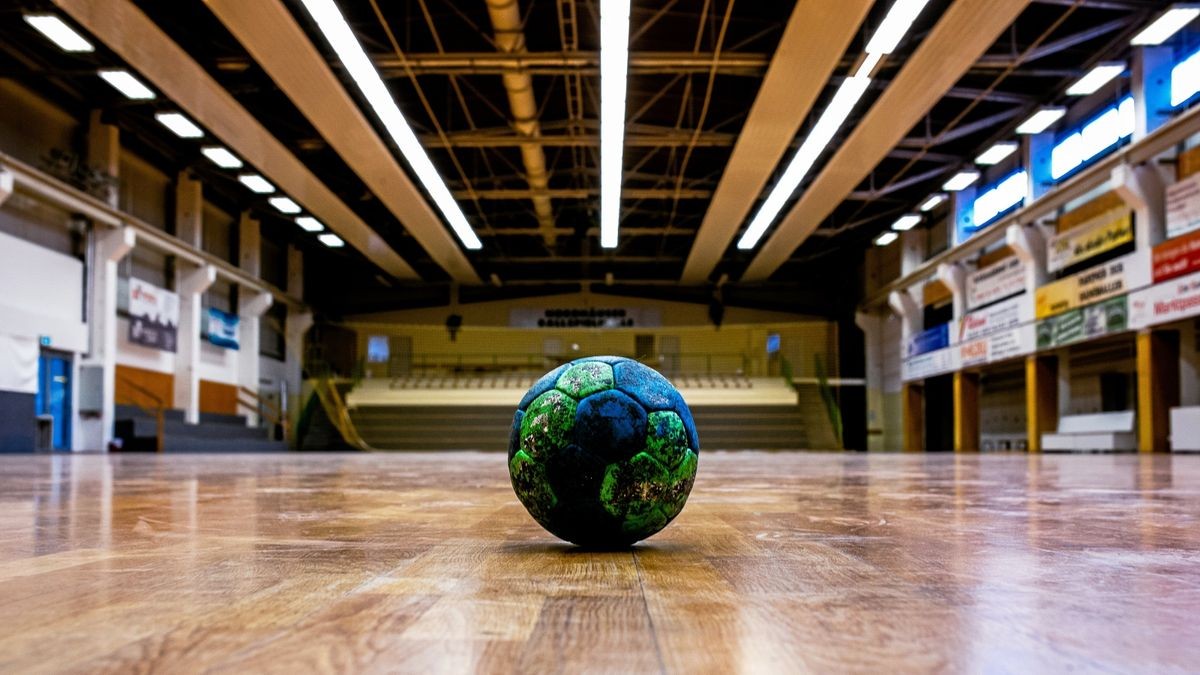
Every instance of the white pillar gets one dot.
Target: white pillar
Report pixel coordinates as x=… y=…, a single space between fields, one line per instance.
x=871 y=324
x=954 y=277
x=250 y=308
x=191 y=285
x=909 y=310
x=94 y=432
x=1142 y=188
x=1029 y=246
x=6 y=184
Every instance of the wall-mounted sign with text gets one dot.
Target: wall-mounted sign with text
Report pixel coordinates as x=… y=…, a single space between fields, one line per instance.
x=585 y=317
x=1169 y=301
x=1177 y=257
x=994 y=318
x=995 y=282
x=221 y=328
x=1006 y=344
x=929 y=340
x=1183 y=206
x=1113 y=278
x=1101 y=234
x=929 y=365
x=153 y=316
x=1085 y=323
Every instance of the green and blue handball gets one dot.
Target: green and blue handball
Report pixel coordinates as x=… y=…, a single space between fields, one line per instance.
x=603 y=452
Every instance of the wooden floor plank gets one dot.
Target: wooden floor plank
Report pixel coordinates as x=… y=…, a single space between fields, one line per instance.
x=784 y=562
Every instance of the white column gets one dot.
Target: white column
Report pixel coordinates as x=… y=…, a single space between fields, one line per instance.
x=250 y=308
x=1142 y=188
x=871 y=325
x=191 y=284
x=909 y=310
x=108 y=247
x=954 y=277
x=6 y=184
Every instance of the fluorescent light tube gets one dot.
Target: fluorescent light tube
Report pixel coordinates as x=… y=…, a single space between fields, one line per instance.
x=614 y=71
x=331 y=240
x=899 y=19
x=1162 y=28
x=906 y=222
x=1097 y=77
x=997 y=153
x=180 y=125
x=1185 y=79
x=350 y=53
x=886 y=238
x=126 y=83
x=57 y=31
x=256 y=183
x=309 y=224
x=961 y=181
x=221 y=157
x=1041 y=120
x=284 y=205
x=832 y=118
x=932 y=203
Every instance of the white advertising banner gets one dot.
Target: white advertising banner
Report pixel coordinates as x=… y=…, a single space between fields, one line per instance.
x=1113 y=278
x=1005 y=344
x=1000 y=316
x=930 y=364
x=153 y=316
x=585 y=317
x=19 y=363
x=995 y=282
x=1169 y=301
x=1183 y=206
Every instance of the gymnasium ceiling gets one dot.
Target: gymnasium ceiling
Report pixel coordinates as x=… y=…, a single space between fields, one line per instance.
x=708 y=129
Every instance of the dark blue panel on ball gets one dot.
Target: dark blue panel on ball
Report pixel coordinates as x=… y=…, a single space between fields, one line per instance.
x=610 y=360
x=689 y=424
x=645 y=385
x=514 y=435
x=610 y=425
x=543 y=385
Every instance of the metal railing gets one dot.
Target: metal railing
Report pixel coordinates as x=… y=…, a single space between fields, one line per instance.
x=424 y=365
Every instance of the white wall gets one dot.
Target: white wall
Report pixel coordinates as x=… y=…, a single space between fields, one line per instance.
x=42 y=294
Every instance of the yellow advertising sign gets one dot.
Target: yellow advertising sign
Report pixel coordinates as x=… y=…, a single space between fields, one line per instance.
x=1103 y=233
x=1094 y=284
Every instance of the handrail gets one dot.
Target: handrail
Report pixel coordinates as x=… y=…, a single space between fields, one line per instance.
x=1160 y=140
x=159 y=411
x=266 y=408
x=338 y=414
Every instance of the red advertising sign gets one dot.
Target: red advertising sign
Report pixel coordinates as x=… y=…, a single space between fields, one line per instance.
x=1177 y=257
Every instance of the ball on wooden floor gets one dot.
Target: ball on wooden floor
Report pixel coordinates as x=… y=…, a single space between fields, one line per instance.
x=603 y=451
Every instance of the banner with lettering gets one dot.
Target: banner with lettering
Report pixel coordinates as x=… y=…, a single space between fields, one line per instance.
x=1177 y=257
x=1006 y=344
x=1183 y=206
x=1103 y=318
x=221 y=328
x=1103 y=233
x=153 y=316
x=1169 y=301
x=1113 y=278
x=995 y=282
x=929 y=340
x=994 y=318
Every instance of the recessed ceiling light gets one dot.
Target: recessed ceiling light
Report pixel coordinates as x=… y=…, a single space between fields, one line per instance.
x=284 y=205
x=997 y=153
x=891 y=30
x=886 y=238
x=127 y=84
x=179 y=124
x=1170 y=23
x=1041 y=120
x=906 y=222
x=58 y=32
x=614 y=72
x=961 y=181
x=331 y=240
x=256 y=183
x=1097 y=77
x=933 y=202
x=309 y=224
x=221 y=157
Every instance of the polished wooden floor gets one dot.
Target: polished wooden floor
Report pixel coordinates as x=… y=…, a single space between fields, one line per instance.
x=426 y=563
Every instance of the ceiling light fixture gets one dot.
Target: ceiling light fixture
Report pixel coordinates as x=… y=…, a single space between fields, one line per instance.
x=906 y=222
x=932 y=202
x=1041 y=120
x=1097 y=77
x=221 y=157
x=614 y=70
x=886 y=238
x=354 y=60
x=1171 y=22
x=898 y=20
x=331 y=240
x=179 y=124
x=57 y=31
x=961 y=181
x=127 y=84
x=256 y=183
x=997 y=153
x=284 y=205
x=309 y=224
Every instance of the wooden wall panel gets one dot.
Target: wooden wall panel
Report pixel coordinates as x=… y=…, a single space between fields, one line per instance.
x=130 y=379
x=1076 y=217
x=936 y=293
x=1188 y=164
x=219 y=398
